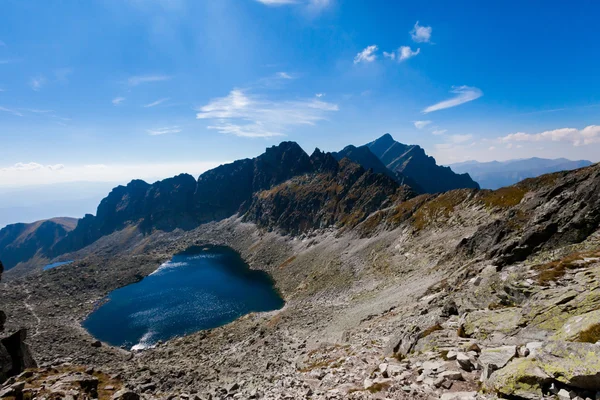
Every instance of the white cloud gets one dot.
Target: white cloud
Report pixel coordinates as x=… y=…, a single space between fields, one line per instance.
x=25 y=174
x=284 y=75
x=278 y=2
x=439 y=131
x=421 y=124
x=32 y=166
x=406 y=52
x=367 y=55
x=37 y=83
x=138 y=80
x=491 y=148
x=421 y=34
x=460 y=138
x=403 y=53
x=311 y=5
x=11 y=111
x=319 y=95
x=244 y=115
x=118 y=100
x=578 y=137
x=163 y=131
x=464 y=94
x=157 y=102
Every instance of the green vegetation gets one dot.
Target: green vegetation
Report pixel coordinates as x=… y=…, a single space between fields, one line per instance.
x=439 y=208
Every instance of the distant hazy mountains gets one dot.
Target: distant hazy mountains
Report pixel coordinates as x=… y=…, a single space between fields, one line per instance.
x=496 y=174
x=21 y=242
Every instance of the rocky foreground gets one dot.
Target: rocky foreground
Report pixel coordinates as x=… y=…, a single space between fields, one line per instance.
x=464 y=295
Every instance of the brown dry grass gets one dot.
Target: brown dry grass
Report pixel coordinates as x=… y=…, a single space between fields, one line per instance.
x=590 y=335
x=554 y=270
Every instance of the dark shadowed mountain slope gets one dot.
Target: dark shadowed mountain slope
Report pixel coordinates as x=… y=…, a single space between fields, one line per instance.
x=182 y=202
x=412 y=162
x=364 y=156
x=496 y=174
x=342 y=196
x=21 y=242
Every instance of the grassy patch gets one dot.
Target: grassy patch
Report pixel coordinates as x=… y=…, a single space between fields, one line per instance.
x=430 y=330
x=504 y=197
x=378 y=387
x=590 y=335
x=439 y=208
x=554 y=270
x=287 y=262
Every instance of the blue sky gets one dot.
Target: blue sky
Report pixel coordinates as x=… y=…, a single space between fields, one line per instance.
x=111 y=90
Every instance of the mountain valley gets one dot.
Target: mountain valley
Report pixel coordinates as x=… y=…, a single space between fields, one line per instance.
x=401 y=280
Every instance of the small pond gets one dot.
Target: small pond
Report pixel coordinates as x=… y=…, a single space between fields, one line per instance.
x=56 y=264
x=201 y=288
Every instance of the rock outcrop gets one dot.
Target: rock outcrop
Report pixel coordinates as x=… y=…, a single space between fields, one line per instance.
x=412 y=162
x=15 y=356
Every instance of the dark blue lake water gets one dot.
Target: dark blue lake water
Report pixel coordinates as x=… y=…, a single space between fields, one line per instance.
x=201 y=288
x=56 y=264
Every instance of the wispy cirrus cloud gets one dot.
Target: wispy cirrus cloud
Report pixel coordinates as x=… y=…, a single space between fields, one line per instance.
x=32 y=166
x=157 y=102
x=439 y=131
x=11 y=111
x=421 y=124
x=163 y=131
x=421 y=34
x=464 y=94
x=118 y=100
x=37 y=83
x=140 y=79
x=245 y=115
x=367 y=55
x=311 y=5
x=578 y=137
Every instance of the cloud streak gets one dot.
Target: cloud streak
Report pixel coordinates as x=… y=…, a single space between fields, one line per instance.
x=141 y=79
x=163 y=131
x=118 y=100
x=156 y=103
x=578 y=137
x=421 y=124
x=244 y=115
x=464 y=94
x=11 y=111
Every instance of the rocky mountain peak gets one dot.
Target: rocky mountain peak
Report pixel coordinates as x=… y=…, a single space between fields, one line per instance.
x=412 y=162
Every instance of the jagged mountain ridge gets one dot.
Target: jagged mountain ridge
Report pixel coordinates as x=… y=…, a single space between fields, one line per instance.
x=412 y=162
x=340 y=194
x=364 y=156
x=496 y=174
x=21 y=241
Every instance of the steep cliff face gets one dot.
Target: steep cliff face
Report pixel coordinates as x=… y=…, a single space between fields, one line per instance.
x=340 y=196
x=223 y=191
x=412 y=162
x=364 y=156
x=21 y=242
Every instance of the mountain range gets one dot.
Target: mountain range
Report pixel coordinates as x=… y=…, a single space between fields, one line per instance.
x=343 y=189
x=496 y=174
